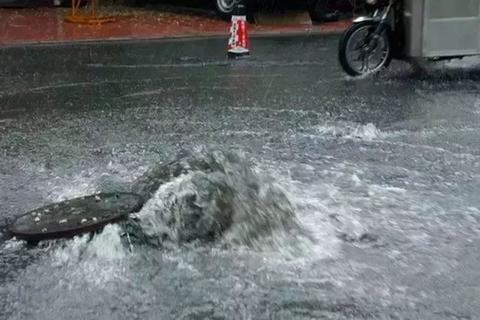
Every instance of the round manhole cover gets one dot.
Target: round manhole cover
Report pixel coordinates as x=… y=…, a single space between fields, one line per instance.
x=75 y=216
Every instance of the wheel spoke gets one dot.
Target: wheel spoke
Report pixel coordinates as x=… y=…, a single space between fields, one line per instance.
x=365 y=55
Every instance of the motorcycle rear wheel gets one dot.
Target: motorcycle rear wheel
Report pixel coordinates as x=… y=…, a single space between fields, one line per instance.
x=354 y=52
x=224 y=8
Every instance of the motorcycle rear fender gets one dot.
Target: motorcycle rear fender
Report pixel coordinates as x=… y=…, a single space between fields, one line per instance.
x=365 y=18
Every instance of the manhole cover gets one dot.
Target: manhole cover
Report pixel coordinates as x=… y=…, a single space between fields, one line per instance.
x=75 y=216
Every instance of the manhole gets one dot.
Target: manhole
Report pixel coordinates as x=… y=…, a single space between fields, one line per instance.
x=72 y=217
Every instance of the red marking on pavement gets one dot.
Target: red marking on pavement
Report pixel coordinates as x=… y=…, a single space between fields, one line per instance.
x=46 y=25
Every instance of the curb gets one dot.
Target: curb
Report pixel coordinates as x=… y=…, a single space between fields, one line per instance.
x=181 y=37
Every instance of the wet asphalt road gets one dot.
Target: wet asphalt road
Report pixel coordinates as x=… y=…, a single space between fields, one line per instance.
x=383 y=172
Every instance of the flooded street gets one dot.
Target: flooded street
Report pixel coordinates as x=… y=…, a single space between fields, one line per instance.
x=382 y=173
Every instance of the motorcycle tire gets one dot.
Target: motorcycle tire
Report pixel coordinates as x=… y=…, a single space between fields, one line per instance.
x=344 y=42
x=224 y=8
x=225 y=11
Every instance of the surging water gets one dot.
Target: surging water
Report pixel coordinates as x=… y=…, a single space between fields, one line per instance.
x=212 y=196
x=365 y=224
x=216 y=200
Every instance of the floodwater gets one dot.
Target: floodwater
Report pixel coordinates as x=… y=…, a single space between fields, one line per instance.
x=382 y=174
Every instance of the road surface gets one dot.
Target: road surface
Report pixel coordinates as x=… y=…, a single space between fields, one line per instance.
x=383 y=173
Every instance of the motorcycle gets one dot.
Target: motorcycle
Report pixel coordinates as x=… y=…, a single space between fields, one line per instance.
x=372 y=41
x=411 y=30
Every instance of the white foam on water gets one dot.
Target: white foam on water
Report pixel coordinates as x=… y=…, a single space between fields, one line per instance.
x=350 y=130
x=95 y=261
x=476 y=107
x=165 y=197
x=344 y=204
x=365 y=132
x=71 y=273
x=312 y=209
x=297 y=111
x=361 y=77
x=464 y=63
x=369 y=132
x=12 y=244
x=88 y=182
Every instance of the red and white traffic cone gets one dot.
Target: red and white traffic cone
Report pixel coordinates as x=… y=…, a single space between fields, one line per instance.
x=238 y=44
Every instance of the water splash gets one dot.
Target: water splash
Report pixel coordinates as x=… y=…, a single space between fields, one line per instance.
x=211 y=196
x=347 y=130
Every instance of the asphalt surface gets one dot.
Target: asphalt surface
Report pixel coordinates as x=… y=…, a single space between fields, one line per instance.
x=383 y=173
